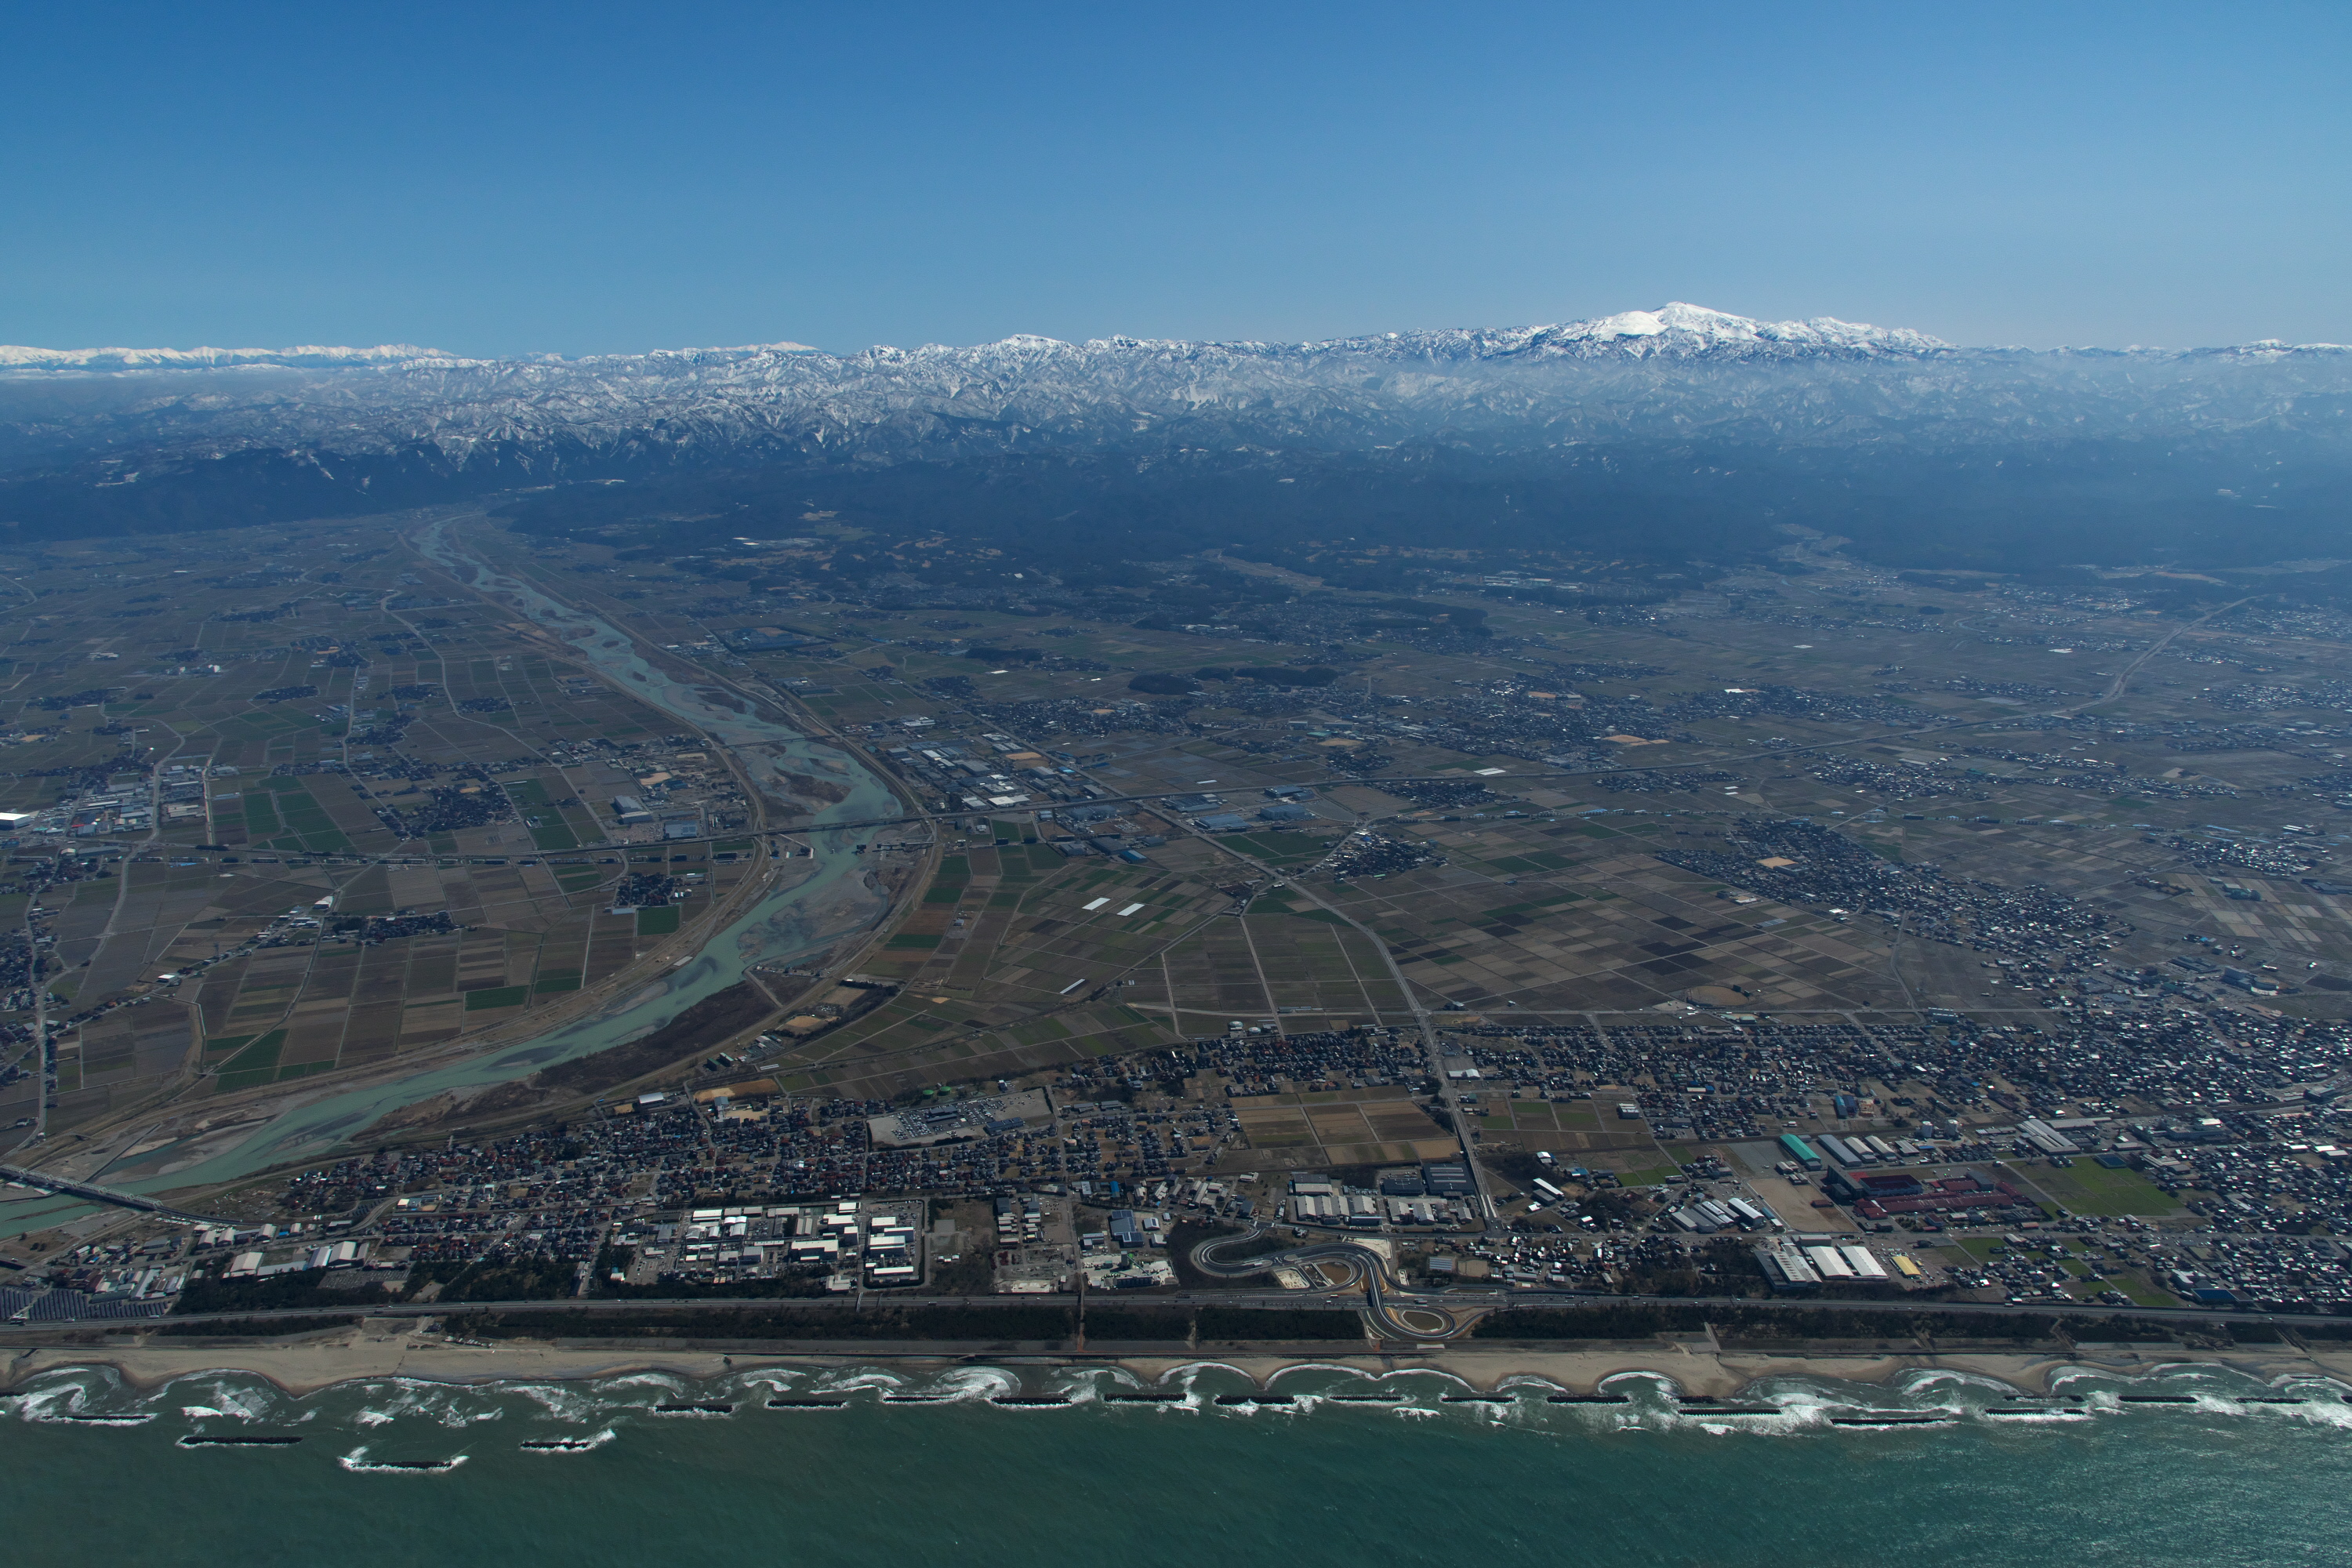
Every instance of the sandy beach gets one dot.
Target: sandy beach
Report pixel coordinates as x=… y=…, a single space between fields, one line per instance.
x=374 y=1351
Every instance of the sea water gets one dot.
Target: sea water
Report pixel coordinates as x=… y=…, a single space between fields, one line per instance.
x=395 y=1472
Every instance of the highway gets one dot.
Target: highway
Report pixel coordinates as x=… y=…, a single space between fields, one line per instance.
x=1461 y=1306
x=1419 y=1317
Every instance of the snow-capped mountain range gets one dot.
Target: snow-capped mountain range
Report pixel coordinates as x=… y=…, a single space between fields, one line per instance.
x=1676 y=329
x=1678 y=373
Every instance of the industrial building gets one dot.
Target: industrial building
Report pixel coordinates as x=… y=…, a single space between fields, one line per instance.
x=2045 y=1137
x=1783 y=1262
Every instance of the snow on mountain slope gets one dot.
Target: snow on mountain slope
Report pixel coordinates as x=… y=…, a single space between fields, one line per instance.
x=1678 y=373
x=15 y=357
x=1675 y=328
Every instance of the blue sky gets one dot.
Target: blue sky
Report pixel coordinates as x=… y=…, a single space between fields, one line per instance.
x=584 y=178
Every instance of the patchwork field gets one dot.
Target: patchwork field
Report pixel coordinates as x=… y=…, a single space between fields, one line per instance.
x=1334 y=1128
x=1463 y=804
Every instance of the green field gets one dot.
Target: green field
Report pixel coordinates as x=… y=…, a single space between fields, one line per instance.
x=282 y=814
x=2142 y=1293
x=549 y=829
x=255 y=1063
x=2088 y=1189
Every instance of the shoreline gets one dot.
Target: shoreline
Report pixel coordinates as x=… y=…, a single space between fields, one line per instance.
x=359 y=1356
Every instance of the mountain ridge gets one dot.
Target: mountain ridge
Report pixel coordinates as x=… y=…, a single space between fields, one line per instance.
x=1675 y=327
x=92 y=441
x=1678 y=371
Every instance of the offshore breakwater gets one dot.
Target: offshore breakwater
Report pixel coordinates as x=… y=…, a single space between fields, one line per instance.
x=1172 y=1462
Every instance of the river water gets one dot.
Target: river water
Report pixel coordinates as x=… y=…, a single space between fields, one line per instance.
x=831 y=900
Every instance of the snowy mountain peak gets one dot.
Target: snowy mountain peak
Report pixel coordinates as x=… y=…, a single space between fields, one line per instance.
x=1674 y=329
x=1675 y=317
x=1696 y=328
x=1636 y=375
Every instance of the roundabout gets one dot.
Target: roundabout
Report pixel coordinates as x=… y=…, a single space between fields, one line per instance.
x=1342 y=1265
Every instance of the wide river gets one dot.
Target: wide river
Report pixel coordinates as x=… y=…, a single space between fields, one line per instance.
x=814 y=910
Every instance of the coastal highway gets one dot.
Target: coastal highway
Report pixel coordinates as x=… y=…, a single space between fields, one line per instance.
x=1455 y=1302
x=1398 y=1316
